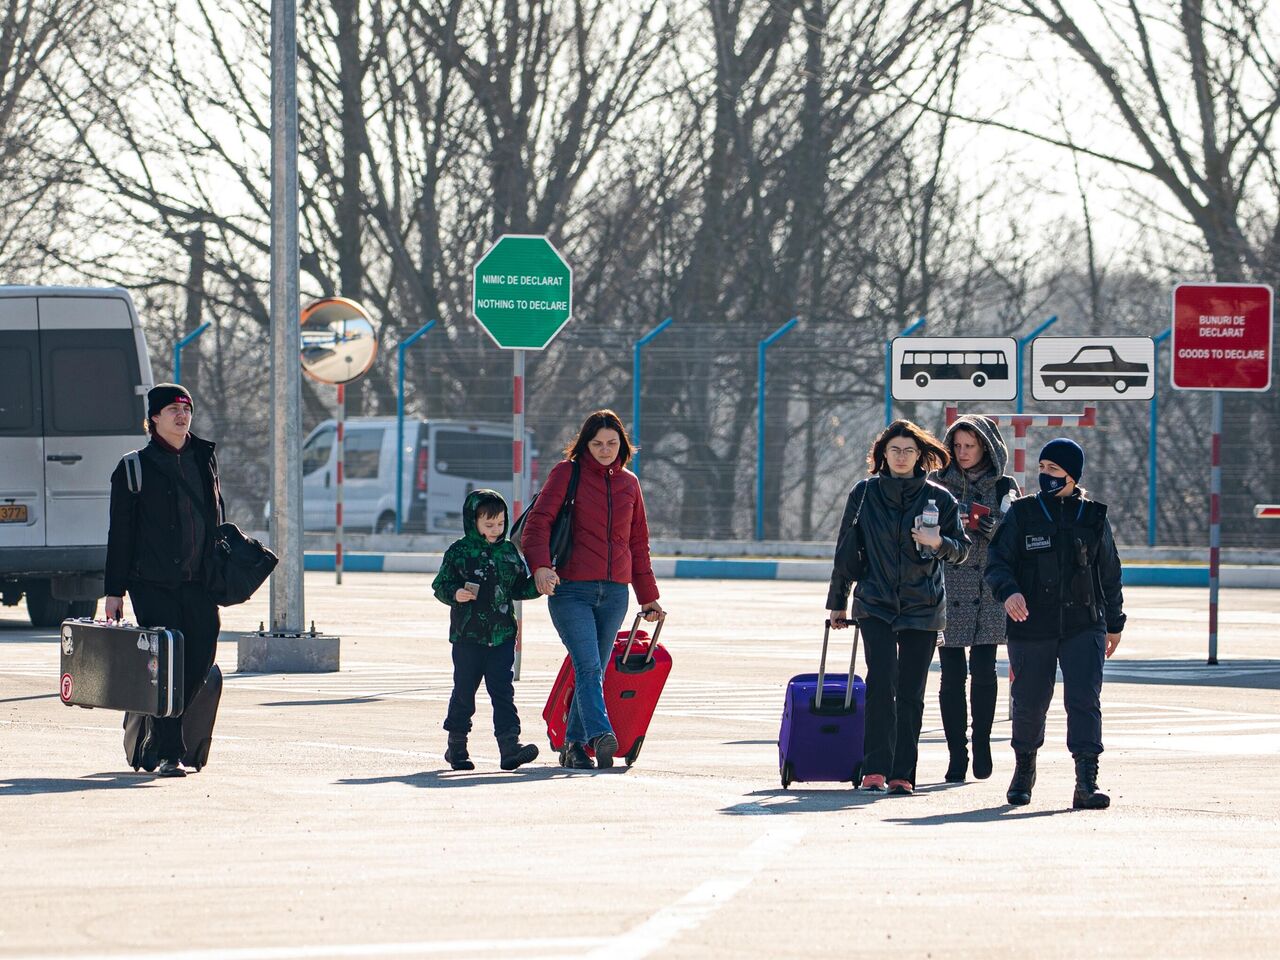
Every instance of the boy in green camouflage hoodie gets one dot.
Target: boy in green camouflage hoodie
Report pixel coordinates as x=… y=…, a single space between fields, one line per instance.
x=480 y=578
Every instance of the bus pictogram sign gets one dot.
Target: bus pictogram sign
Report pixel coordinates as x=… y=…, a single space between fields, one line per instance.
x=954 y=368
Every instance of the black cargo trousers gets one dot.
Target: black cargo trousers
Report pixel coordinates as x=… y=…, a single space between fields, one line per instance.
x=186 y=607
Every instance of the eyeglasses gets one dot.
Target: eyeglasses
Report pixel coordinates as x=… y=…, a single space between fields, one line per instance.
x=903 y=451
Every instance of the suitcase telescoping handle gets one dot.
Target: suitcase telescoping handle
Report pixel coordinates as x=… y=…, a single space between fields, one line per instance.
x=653 y=641
x=822 y=665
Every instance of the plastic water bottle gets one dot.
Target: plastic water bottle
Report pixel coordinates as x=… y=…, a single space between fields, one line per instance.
x=928 y=519
x=1007 y=502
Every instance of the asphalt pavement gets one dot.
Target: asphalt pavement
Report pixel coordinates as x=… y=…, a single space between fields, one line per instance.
x=327 y=824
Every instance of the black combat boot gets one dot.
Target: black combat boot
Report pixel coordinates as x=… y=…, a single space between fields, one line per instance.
x=1024 y=778
x=456 y=756
x=982 y=698
x=514 y=753
x=1087 y=796
x=954 y=723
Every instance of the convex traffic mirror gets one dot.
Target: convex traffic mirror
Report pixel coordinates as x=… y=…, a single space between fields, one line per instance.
x=339 y=341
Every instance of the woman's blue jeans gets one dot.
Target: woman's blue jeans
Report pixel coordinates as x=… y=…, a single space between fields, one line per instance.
x=587 y=615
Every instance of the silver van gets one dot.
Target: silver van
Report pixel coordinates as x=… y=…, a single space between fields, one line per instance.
x=444 y=460
x=74 y=373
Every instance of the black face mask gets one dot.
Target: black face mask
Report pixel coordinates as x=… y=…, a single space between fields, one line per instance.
x=1052 y=484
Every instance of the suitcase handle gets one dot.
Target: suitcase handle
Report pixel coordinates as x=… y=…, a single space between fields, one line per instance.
x=822 y=665
x=653 y=641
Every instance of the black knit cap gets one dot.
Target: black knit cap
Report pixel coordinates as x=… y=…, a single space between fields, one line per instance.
x=1067 y=454
x=163 y=394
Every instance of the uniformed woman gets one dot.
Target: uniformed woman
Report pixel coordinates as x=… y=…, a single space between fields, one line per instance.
x=1054 y=566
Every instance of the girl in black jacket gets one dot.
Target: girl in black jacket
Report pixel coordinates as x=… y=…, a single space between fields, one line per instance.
x=900 y=601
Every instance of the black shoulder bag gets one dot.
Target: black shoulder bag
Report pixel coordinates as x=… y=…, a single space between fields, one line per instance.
x=239 y=565
x=850 y=549
x=560 y=544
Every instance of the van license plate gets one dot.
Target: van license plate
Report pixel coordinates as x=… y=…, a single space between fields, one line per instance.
x=13 y=513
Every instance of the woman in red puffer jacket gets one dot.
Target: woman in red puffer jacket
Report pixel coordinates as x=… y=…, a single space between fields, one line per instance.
x=587 y=595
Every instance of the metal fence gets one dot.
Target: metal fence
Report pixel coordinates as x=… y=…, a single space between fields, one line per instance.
x=700 y=420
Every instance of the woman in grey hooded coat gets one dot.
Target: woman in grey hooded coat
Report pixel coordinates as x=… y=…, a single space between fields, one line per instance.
x=975 y=619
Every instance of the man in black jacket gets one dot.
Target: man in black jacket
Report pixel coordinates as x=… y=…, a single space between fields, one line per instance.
x=160 y=542
x=1054 y=566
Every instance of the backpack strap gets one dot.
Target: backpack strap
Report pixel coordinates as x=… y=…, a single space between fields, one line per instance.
x=133 y=471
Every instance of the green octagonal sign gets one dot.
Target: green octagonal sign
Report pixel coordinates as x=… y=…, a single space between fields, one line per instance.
x=522 y=292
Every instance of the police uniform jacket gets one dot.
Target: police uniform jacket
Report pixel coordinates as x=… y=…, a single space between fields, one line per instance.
x=1059 y=553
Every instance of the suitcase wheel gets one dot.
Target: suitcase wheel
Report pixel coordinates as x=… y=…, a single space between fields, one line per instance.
x=857 y=776
x=786 y=775
x=634 y=751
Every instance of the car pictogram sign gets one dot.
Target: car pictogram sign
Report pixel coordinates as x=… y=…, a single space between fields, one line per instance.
x=1093 y=368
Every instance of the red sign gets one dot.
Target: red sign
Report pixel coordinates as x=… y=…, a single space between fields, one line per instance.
x=1222 y=336
x=65 y=688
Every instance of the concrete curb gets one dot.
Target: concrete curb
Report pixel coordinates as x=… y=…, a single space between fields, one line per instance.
x=699 y=568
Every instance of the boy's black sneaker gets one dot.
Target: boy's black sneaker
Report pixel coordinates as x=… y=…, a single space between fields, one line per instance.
x=515 y=754
x=605 y=746
x=575 y=758
x=170 y=768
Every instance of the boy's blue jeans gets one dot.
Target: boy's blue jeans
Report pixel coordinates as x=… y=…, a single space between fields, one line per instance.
x=587 y=615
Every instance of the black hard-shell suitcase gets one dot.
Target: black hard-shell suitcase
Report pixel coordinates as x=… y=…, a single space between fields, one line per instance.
x=197 y=728
x=121 y=666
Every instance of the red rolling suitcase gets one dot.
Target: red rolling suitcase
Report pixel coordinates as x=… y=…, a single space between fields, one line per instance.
x=633 y=681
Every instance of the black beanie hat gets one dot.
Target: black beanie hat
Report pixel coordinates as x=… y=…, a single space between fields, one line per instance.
x=163 y=394
x=1067 y=454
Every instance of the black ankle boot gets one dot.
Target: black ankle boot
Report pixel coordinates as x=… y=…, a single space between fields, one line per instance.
x=514 y=753
x=456 y=756
x=1087 y=796
x=1024 y=778
x=954 y=721
x=983 y=697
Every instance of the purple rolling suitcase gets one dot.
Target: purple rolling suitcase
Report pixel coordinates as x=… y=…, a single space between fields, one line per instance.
x=822 y=723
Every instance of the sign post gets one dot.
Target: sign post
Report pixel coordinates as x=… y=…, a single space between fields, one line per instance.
x=1222 y=341
x=522 y=295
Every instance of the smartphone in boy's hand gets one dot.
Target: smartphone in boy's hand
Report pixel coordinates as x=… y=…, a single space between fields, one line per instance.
x=473 y=588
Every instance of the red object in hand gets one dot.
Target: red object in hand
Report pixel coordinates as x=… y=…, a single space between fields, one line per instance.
x=976 y=512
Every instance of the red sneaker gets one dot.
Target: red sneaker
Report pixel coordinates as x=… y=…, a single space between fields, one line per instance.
x=873 y=782
x=901 y=788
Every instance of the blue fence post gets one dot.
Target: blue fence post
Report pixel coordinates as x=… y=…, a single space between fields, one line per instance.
x=177 y=350
x=400 y=421
x=888 y=369
x=760 y=381
x=1022 y=343
x=1152 y=448
x=635 y=389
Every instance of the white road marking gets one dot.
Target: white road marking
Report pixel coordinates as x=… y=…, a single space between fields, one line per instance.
x=691 y=910
x=494 y=947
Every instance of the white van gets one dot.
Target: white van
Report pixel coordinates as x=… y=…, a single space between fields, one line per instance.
x=444 y=460
x=74 y=374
